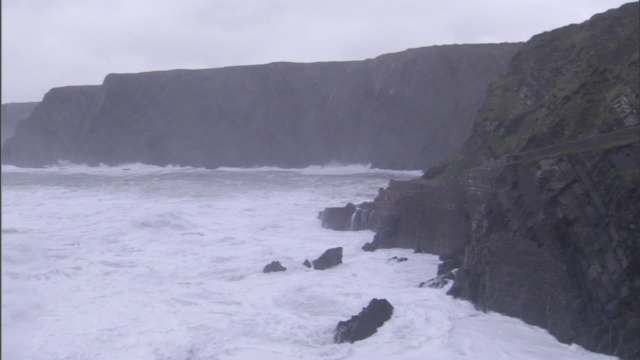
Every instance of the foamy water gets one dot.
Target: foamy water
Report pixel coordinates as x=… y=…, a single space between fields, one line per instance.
x=143 y=262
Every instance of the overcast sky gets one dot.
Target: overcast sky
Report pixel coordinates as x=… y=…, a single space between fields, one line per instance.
x=51 y=43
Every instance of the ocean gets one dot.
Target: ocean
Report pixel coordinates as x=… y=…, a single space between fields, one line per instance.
x=144 y=262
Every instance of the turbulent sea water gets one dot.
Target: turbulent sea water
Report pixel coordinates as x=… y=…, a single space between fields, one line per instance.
x=142 y=262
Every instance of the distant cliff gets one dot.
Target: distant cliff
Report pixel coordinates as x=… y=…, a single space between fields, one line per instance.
x=12 y=114
x=406 y=110
x=539 y=208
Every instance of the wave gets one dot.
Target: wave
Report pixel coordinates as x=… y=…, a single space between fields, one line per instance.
x=332 y=168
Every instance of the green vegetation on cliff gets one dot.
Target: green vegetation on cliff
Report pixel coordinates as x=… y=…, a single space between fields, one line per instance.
x=566 y=84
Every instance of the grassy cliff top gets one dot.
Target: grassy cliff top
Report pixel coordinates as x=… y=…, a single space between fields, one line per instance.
x=566 y=84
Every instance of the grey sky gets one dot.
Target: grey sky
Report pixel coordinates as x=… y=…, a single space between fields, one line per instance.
x=51 y=43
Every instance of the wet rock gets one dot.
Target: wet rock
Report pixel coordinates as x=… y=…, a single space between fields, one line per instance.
x=274 y=267
x=349 y=218
x=328 y=259
x=449 y=263
x=369 y=247
x=337 y=218
x=439 y=281
x=398 y=259
x=306 y=263
x=365 y=324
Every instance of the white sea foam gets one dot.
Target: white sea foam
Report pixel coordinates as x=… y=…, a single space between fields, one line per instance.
x=166 y=263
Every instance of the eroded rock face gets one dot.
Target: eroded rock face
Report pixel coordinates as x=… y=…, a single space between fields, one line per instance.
x=365 y=324
x=403 y=111
x=274 y=266
x=560 y=236
x=421 y=215
x=328 y=259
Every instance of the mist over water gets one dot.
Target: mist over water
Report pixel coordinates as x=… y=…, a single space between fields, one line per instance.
x=143 y=262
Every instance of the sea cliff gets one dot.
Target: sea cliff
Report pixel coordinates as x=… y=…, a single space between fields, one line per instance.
x=407 y=110
x=539 y=208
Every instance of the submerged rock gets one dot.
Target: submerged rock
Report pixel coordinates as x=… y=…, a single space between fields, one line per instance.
x=329 y=258
x=365 y=324
x=439 y=281
x=273 y=267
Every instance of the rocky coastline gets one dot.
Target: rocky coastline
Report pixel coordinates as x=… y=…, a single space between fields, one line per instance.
x=541 y=221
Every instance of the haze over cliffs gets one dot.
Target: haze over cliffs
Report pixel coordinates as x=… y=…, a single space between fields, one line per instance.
x=12 y=114
x=406 y=110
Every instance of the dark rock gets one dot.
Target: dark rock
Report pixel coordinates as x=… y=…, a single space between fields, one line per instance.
x=329 y=258
x=449 y=263
x=369 y=247
x=273 y=267
x=398 y=259
x=338 y=218
x=421 y=215
x=349 y=217
x=306 y=263
x=365 y=324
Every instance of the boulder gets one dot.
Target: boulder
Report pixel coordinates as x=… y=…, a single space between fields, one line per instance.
x=273 y=267
x=365 y=324
x=329 y=258
x=306 y=263
x=369 y=247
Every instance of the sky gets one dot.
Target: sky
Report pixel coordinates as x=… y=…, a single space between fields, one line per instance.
x=53 y=43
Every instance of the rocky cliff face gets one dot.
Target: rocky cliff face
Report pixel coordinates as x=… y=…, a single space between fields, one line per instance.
x=556 y=241
x=53 y=130
x=557 y=246
x=406 y=110
x=541 y=204
x=12 y=114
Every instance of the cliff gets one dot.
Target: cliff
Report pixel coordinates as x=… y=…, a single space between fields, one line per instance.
x=11 y=115
x=556 y=241
x=539 y=208
x=53 y=130
x=406 y=110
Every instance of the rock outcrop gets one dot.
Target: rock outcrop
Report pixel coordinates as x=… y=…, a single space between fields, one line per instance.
x=365 y=324
x=349 y=218
x=273 y=266
x=406 y=110
x=12 y=114
x=330 y=258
